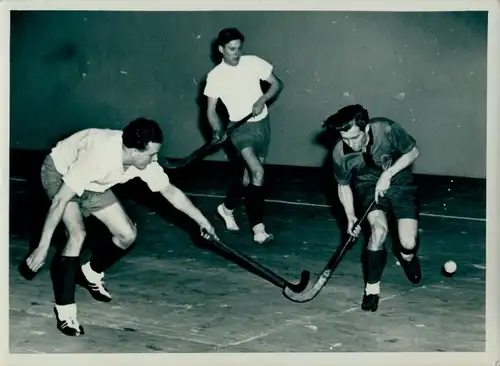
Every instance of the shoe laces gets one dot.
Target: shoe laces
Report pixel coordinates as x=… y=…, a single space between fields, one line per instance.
x=98 y=279
x=71 y=322
x=74 y=323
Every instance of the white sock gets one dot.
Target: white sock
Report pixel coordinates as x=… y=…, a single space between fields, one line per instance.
x=87 y=269
x=372 y=288
x=66 y=311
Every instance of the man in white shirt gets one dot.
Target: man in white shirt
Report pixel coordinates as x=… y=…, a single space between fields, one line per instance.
x=77 y=176
x=236 y=81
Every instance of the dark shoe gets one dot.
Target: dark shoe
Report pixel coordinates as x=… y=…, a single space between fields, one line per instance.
x=69 y=326
x=370 y=302
x=412 y=269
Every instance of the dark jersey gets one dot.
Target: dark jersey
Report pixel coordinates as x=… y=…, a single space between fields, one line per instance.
x=388 y=141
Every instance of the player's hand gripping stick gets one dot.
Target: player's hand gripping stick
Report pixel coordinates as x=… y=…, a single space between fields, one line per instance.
x=308 y=295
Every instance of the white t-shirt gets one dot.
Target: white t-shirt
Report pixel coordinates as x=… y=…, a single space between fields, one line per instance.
x=239 y=86
x=91 y=160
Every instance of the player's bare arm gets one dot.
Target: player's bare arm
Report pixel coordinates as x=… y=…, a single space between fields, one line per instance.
x=403 y=162
x=213 y=116
x=181 y=202
x=276 y=85
x=347 y=200
x=53 y=218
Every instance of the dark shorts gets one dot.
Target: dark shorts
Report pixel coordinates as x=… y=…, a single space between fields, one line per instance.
x=256 y=135
x=401 y=200
x=89 y=202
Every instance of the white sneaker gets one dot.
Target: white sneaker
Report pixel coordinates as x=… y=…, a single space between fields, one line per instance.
x=228 y=217
x=94 y=283
x=260 y=236
x=66 y=320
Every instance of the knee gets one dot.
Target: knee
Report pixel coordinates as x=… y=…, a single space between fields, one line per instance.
x=258 y=176
x=408 y=241
x=378 y=236
x=76 y=238
x=126 y=238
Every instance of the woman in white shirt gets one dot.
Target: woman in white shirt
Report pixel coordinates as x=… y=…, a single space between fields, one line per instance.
x=236 y=81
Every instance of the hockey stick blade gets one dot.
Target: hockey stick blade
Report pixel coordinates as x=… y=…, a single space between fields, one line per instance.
x=305 y=276
x=260 y=270
x=311 y=293
x=204 y=150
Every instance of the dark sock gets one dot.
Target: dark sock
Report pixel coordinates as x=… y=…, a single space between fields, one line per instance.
x=234 y=194
x=255 y=204
x=104 y=256
x=64 y=273
x=375 y=263
x=236 y=190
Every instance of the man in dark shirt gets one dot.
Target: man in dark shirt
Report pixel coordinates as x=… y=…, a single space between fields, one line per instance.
x=375 y=157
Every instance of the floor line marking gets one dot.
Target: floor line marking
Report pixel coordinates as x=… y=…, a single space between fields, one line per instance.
x=295 y=203
x=261 y=335
x=349 y=310
x=304 y=320
x=207 y=195
x=99 y=321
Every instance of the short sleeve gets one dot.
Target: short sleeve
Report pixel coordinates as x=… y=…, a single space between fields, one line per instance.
x=342 y=174
x=262 y=68
x=82 y=172
x=212 y=89
x=155 y=177
x=400 y=139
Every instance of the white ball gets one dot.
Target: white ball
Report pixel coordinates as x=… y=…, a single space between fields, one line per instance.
x=450 y=267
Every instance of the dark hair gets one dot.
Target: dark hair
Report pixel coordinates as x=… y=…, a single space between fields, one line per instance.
x=347 y=117
x=140 y=132
x=229 y=34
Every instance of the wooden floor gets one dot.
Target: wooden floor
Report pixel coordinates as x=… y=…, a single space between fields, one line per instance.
x=173 y=295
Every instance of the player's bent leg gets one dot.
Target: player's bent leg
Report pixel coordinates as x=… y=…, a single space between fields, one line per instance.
x=106 y=254
x=241 y=138
x=254 y=165
x=378 y=230
x=408 y=237
x=255 y=197
x=121 y=227
x=408 y=233
x=234 y=194
x=64 y=272
x=375 y=257
x=405 y=206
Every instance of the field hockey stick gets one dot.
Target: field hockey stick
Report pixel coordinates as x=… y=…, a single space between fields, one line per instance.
x=304 y=296
x=260 y=269
x=204 y=150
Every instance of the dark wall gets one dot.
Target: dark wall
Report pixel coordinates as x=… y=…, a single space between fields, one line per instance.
x=73 y=70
